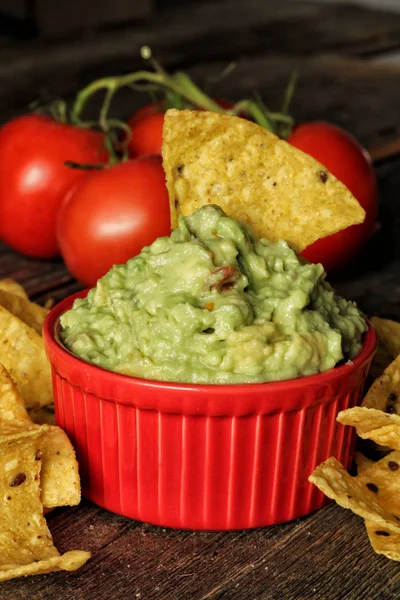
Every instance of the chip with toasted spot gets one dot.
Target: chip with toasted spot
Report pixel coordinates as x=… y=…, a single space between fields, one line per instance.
x=384 y=394
x=254 y=176
x=38 y=471
x=384 y=541
x=350 y=492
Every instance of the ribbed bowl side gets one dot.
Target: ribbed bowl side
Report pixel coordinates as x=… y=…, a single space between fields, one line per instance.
x=202 y=472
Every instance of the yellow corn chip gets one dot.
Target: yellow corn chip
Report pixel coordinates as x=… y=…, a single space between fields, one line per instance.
x=24 y=536
x=22 y=353
x=26 y=545
x=60 y=477
x=384 y=394
x=362 y=462
x=349 y=492
x=70 y=561
x=30 y=313
x=37 y=466
x=383 y=540
x=9 y=285
x=383 y=479
x=12 y=407
x=389 y=334
x=255 y=177
x=372 y=424
x=60 y=484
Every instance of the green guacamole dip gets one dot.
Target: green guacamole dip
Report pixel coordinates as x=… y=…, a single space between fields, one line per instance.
x=214 y=304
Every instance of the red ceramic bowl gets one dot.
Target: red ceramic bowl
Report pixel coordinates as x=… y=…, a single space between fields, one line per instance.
x=202 y=456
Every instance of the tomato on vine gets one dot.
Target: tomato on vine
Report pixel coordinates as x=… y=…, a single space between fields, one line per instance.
x=111 y=215
x=34 y=178
x=345 y=158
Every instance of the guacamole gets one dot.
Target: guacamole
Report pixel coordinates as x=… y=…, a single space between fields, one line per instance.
x=214 y=304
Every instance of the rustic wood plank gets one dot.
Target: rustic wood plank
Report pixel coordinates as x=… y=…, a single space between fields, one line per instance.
x=357 y=95
x=203 y=32
x=320 y=556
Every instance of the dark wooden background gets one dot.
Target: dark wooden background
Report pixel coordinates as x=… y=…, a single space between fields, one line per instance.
x=349 y=68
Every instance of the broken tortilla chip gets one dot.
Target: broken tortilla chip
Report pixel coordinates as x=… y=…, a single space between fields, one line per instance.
x=38 y=471
x=383 y=479
x=30 y=313
x=60 y=484
x=70 y=561
x=12 y=407
x=254 y=176
x=349 y=492
x=384 y=394
x=60 y=481
x=372 y=424
x=389 y=334
x=23 y=355
x=13 y=287
x=362 y=462
x=383 y=541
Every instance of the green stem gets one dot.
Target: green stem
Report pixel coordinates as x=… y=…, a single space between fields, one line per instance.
x=250 y=107
x=107 y=83
x=180 y=84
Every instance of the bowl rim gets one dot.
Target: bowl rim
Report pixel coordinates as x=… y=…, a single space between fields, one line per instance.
x=56 y=349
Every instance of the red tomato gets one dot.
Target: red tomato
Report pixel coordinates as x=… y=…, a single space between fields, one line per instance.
x=146 y=135
x=111 y=216
x=146 y=127
x=34 y=178
x=343 y=156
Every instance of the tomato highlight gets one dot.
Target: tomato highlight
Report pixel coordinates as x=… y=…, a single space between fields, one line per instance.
x=111 y=216
x=34 y=178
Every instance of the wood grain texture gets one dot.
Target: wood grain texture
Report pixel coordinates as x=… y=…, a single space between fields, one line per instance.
x=321 y=556
x=326 y=555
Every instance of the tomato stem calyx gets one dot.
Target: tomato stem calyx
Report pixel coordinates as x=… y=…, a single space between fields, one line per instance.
x=84 y=166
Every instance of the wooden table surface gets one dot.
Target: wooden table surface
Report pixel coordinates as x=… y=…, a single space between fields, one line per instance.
x=349 y=74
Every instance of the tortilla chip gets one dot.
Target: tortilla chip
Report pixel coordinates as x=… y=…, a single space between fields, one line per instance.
x=255 y=177
x=372 y=424
x=24 y=536
x=384 y=394
x=383 y=479
x=383 y=541
x=22 y=353
x=30 y=313
x=60 y=476
x=37 y=467
x=70 y=561
x=60 y=484
x=12 y=407
x=13 y=287
x=26 y=545
x=362 y=462
x=350 y=492
x=389 y=334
